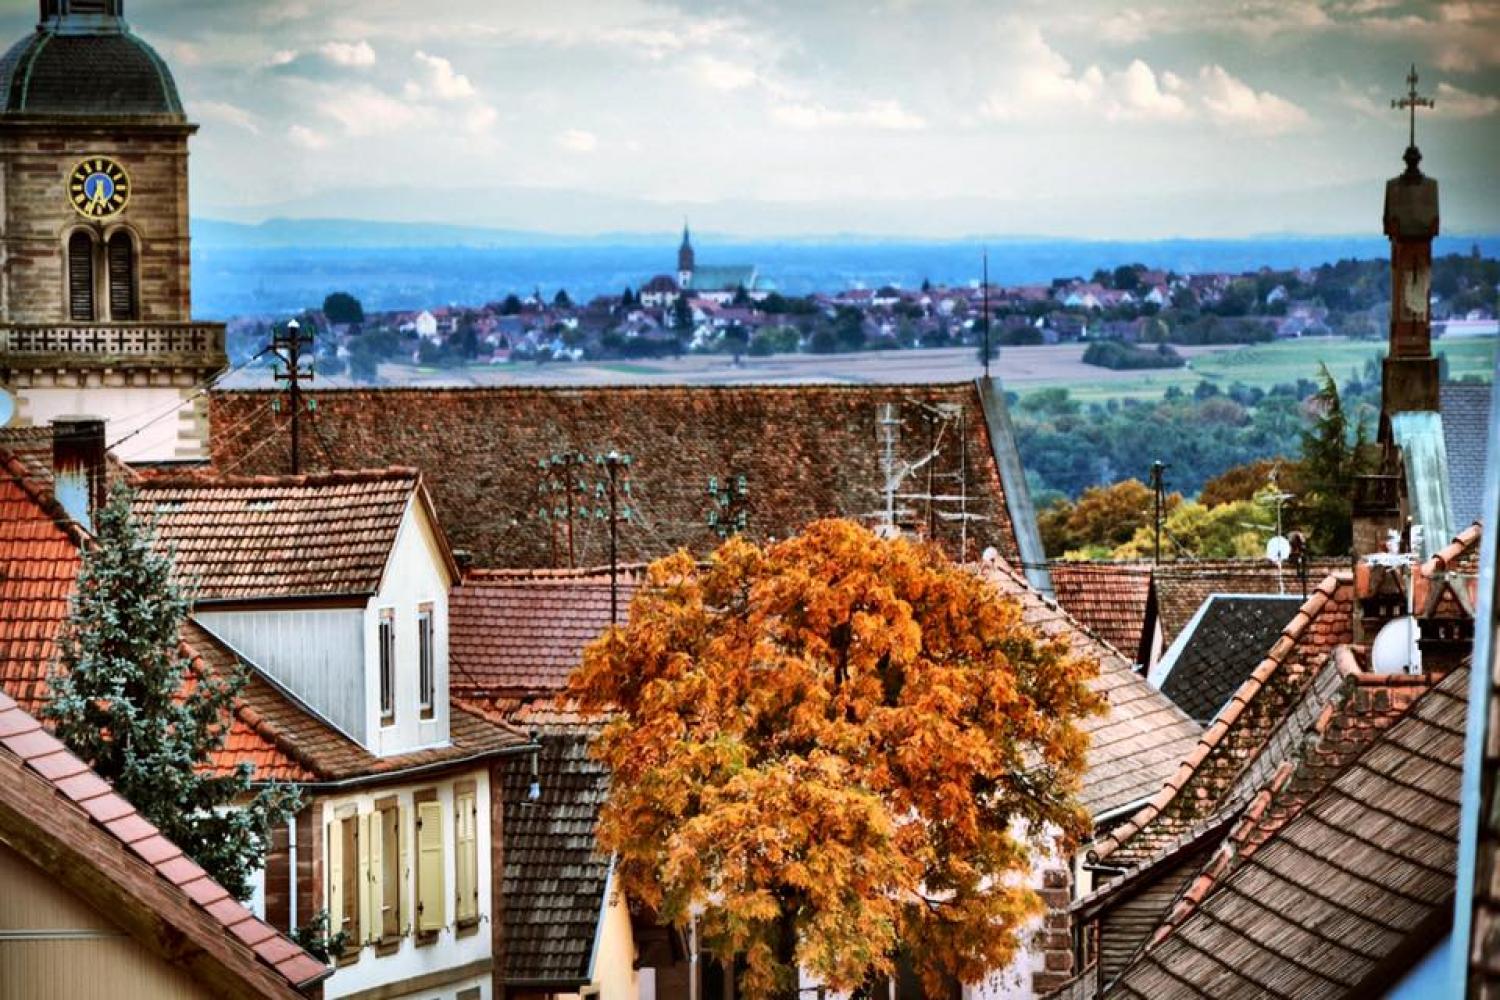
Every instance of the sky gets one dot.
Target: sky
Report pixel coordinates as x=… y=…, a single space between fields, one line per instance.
x=1135 y=119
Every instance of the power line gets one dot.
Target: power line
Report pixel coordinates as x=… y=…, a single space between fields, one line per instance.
x=203 y=388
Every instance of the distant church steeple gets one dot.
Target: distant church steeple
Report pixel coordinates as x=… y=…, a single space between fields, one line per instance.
x=685 y=259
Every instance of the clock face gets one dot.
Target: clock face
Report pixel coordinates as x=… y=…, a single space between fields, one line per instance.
x=98 y=188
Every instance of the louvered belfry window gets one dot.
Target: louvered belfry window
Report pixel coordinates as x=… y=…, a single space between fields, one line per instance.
x=122 y=297
x=81 y=277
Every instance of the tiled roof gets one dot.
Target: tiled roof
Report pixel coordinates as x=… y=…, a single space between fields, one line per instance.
x=66 y=820
x=284 y=741
x=1182 y=587
x=1136 y=744
x=1347 y=895
x=1109 y=597
x=1215 y=654
x=38 y=564
x=1244 y=731
x=554 y=877
x=236 y=538
x=487 y=456
x=1465 y=407
x=521 y=633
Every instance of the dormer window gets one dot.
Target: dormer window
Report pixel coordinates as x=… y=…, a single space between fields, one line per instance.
x=425 y=666
x=387 y=641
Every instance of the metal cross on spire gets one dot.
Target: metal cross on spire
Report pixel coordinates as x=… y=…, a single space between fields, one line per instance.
x=1413 y=101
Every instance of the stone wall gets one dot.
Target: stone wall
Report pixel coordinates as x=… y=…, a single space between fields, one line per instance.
x=36 y=218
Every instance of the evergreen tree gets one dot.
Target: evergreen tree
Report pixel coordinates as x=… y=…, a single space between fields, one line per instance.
x=1334 y=451
x=561 y=299
x=128 y=701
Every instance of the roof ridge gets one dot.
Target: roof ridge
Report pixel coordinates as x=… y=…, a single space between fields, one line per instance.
x=1454 y=550
x=1228 y=715
x=543 y=575
x=109 y=815
x=654 y=387
x=209 y=479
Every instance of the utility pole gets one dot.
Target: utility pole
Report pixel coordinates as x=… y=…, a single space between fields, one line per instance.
x=612 y=463
x=1158 y=494
x=985 y=295
x=291 y=340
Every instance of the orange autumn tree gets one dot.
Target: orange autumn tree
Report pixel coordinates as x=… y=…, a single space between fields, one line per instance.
x=825 y=748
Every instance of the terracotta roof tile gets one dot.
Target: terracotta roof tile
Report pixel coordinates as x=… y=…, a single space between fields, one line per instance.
x=523 y=633
x=235 y=538
x=1110 y=598
x=87 y=847
x=805 y=451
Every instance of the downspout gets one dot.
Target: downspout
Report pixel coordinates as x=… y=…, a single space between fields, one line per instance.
x=291 y=872
x=1013 y=480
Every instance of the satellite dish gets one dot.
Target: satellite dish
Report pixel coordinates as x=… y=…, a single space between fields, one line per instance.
x=1278 y=549
x=1395 y=650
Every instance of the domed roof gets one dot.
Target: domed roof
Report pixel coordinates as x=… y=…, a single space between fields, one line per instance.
x=102 y=70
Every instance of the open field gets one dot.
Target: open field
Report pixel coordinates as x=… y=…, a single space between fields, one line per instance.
x=1019 y=368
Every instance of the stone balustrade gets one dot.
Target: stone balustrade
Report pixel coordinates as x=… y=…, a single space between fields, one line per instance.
x=113 y=345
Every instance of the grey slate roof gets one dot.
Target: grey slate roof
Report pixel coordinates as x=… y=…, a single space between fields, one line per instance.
x=1347 y=896
x=554 y=878
x=1466 y=432
x=109 y=72
x=1220 y=647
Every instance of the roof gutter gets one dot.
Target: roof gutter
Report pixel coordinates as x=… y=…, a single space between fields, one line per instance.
x=382 y=777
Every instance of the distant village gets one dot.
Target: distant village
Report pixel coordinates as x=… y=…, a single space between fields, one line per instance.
x=735 y=310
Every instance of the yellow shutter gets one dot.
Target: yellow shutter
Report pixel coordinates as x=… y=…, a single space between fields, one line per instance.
x=430 y=893
x=335 y=841
x=361 y=842
x=375 y=882
x=404 y=867
x=466 y=858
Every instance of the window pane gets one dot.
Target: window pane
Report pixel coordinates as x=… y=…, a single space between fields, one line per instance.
x=424 y=643
x=387 y=666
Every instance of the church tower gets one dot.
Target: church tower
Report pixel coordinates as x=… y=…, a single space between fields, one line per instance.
x=685 y=260
x=95 y=283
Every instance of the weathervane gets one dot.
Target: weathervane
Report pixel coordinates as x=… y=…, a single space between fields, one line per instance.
x=1413 y=101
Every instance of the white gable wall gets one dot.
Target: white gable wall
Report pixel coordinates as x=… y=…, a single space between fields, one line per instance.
x=416 y=575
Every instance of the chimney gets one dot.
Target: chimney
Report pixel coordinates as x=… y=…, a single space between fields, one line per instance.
x=78 y=466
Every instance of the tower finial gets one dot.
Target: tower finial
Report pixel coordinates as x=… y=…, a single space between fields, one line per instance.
x=1411 y=102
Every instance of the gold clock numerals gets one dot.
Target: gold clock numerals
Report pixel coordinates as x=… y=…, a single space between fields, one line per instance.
x=98 y=188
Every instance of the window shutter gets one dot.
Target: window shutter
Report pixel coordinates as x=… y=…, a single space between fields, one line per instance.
x=335 y=841
x=466 y=860
x=361 y=851
x=405 y=867
x=430 y=891
x=375 y=876
x=81 y=277
x=121 y=278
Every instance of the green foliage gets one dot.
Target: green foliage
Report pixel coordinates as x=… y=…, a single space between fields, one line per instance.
x=1335 y=450
x=341 y=307
x=561 y=299
x=127 y=700
x=1193 y=531
x=1127 y=357
x=313 y=937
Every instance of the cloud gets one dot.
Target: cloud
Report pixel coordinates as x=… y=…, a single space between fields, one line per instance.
x=351 y=54
x=302 y=136
x=577 y=140
x=1045 y=84
x=218 y=112
x=1136 y=93
x=881 y=114
x=363 y=111
x=721 y=74
x=439 y=80
x=1453 y=102
x=1230 y=101
x=281 y=57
